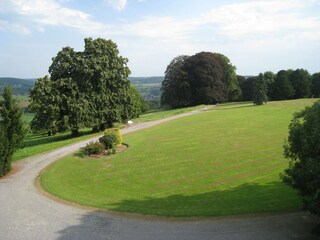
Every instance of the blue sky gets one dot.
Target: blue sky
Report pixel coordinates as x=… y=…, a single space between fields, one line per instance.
x=255 y=35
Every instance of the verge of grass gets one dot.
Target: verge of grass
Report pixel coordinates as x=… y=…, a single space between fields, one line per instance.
x=37 y=143
x=212 y=164
x=160 y=114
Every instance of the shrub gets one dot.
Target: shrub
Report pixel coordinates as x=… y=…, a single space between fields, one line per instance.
x=94 y=148
x=116 y=132
x=108 y=140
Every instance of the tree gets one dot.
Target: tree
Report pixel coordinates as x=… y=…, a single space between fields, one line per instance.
x=206 y=77
x=86 y=89
x=12 y=130
x=246 y=85
x=315 y=87
x=203 y=78
x=301 y=82
x=303 y=151
x=260 y=90
x=281 y=88
x=176 y=88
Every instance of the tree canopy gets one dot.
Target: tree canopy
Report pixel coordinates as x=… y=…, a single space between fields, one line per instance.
x=11 y=129
x=260 y=90
x=88 y=88
x=303 y=151
x=203 y=78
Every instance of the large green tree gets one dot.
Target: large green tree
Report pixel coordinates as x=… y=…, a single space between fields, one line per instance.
x=176 y=88
x=11 y=129
x=303 y=151
x=86 y=88
x=203 y=78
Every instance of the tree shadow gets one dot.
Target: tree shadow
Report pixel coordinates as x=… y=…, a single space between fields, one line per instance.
x=39 y=139
x=98 y=225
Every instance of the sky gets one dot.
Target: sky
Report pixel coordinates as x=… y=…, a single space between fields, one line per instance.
x=256 y=36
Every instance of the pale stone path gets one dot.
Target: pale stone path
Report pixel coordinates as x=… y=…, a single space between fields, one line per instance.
x=25 y=213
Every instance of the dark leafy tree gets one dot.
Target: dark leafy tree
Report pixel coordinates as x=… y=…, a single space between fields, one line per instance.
x=132 y=105
x=260 y=90
x=301 y=82
x=281 y=88
x=269 y=77
x=315 y=84
x=229 y=77
x=206 y=77
x=12 y=130
x=303 y=151
x=203 y=78
x=246 y=85
x=176 y=88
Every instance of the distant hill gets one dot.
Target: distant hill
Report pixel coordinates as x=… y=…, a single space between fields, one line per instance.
x=18 y=85
x=146 y=80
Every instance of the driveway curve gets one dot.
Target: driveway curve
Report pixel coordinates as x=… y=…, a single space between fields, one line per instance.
x=25 y=213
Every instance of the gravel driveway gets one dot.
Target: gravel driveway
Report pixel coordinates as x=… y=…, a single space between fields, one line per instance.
x=25 y=213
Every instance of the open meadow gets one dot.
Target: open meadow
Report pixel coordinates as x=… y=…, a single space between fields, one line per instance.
x=220 y=162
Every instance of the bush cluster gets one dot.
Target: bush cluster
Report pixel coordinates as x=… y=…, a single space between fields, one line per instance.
x=111 y=138
x=94 y=148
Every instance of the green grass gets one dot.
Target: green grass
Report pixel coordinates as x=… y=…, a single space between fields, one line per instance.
x=37 y=143
x=217 y=163
x=160 y=114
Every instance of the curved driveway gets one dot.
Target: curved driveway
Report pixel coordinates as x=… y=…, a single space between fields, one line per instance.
x=25 y=213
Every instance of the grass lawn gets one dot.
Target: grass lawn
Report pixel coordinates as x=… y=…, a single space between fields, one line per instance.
x=156 y=115
x=221 y=162
x=37 y=143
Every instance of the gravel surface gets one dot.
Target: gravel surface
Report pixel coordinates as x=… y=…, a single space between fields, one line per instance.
x=26 y=213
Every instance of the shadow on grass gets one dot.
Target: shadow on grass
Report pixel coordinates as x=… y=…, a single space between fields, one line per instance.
x=38 y=139
x=246 y=198
x=232 y=107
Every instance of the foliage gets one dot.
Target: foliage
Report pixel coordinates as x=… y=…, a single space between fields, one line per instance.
x=88 y=88
x=116 y=132
x=132 y=105
x=301 y=82
x=281 y=88
x=94 y=148
x=260 y=90
x=316 y=84
x=108 y=140
x=246 y=86
x=175 y=88
x=12 y=129
x=303 y=151
x=203 y=78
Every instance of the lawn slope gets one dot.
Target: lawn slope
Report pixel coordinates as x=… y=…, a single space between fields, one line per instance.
x=220 y=162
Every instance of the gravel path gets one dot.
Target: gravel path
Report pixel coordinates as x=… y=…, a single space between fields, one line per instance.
x=25 y=213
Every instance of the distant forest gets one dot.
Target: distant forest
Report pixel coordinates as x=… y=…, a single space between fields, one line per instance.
x=149 y=87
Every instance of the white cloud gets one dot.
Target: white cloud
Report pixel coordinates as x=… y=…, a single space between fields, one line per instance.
x=117 y=4
x=14 y=27
x=49 y=12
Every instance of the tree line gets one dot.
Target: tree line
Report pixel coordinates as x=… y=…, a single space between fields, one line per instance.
x=209 y=78
x=284 y=85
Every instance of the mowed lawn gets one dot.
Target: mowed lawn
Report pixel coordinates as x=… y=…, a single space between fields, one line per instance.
x=220 y=162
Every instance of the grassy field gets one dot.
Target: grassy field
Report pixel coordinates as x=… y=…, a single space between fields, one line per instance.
x=156 y=115
x=36 y=143
x=221 y=162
